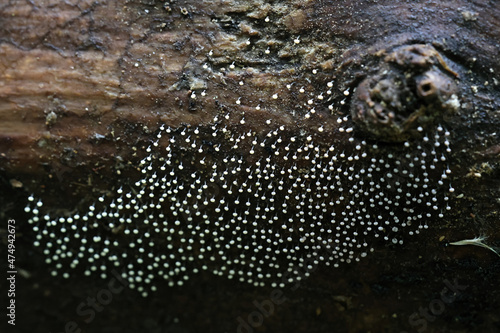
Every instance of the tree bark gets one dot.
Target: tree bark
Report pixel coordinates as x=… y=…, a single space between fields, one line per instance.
x=85 y=87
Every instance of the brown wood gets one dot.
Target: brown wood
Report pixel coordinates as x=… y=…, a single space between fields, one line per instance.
x=85 y=85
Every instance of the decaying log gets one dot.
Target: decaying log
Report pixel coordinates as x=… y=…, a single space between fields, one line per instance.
x=89 y=90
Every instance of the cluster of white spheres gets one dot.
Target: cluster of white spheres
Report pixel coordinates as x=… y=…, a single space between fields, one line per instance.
x=260 y=208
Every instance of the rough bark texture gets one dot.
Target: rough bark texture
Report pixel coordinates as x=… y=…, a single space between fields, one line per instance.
x=85 y=85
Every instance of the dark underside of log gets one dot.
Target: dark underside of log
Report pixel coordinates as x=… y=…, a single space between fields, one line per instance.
x=89 y=90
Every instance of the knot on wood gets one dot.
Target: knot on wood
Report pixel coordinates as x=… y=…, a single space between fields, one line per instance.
x=413 y=86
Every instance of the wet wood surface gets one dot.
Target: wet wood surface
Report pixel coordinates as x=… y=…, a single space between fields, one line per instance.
x=85 y=85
